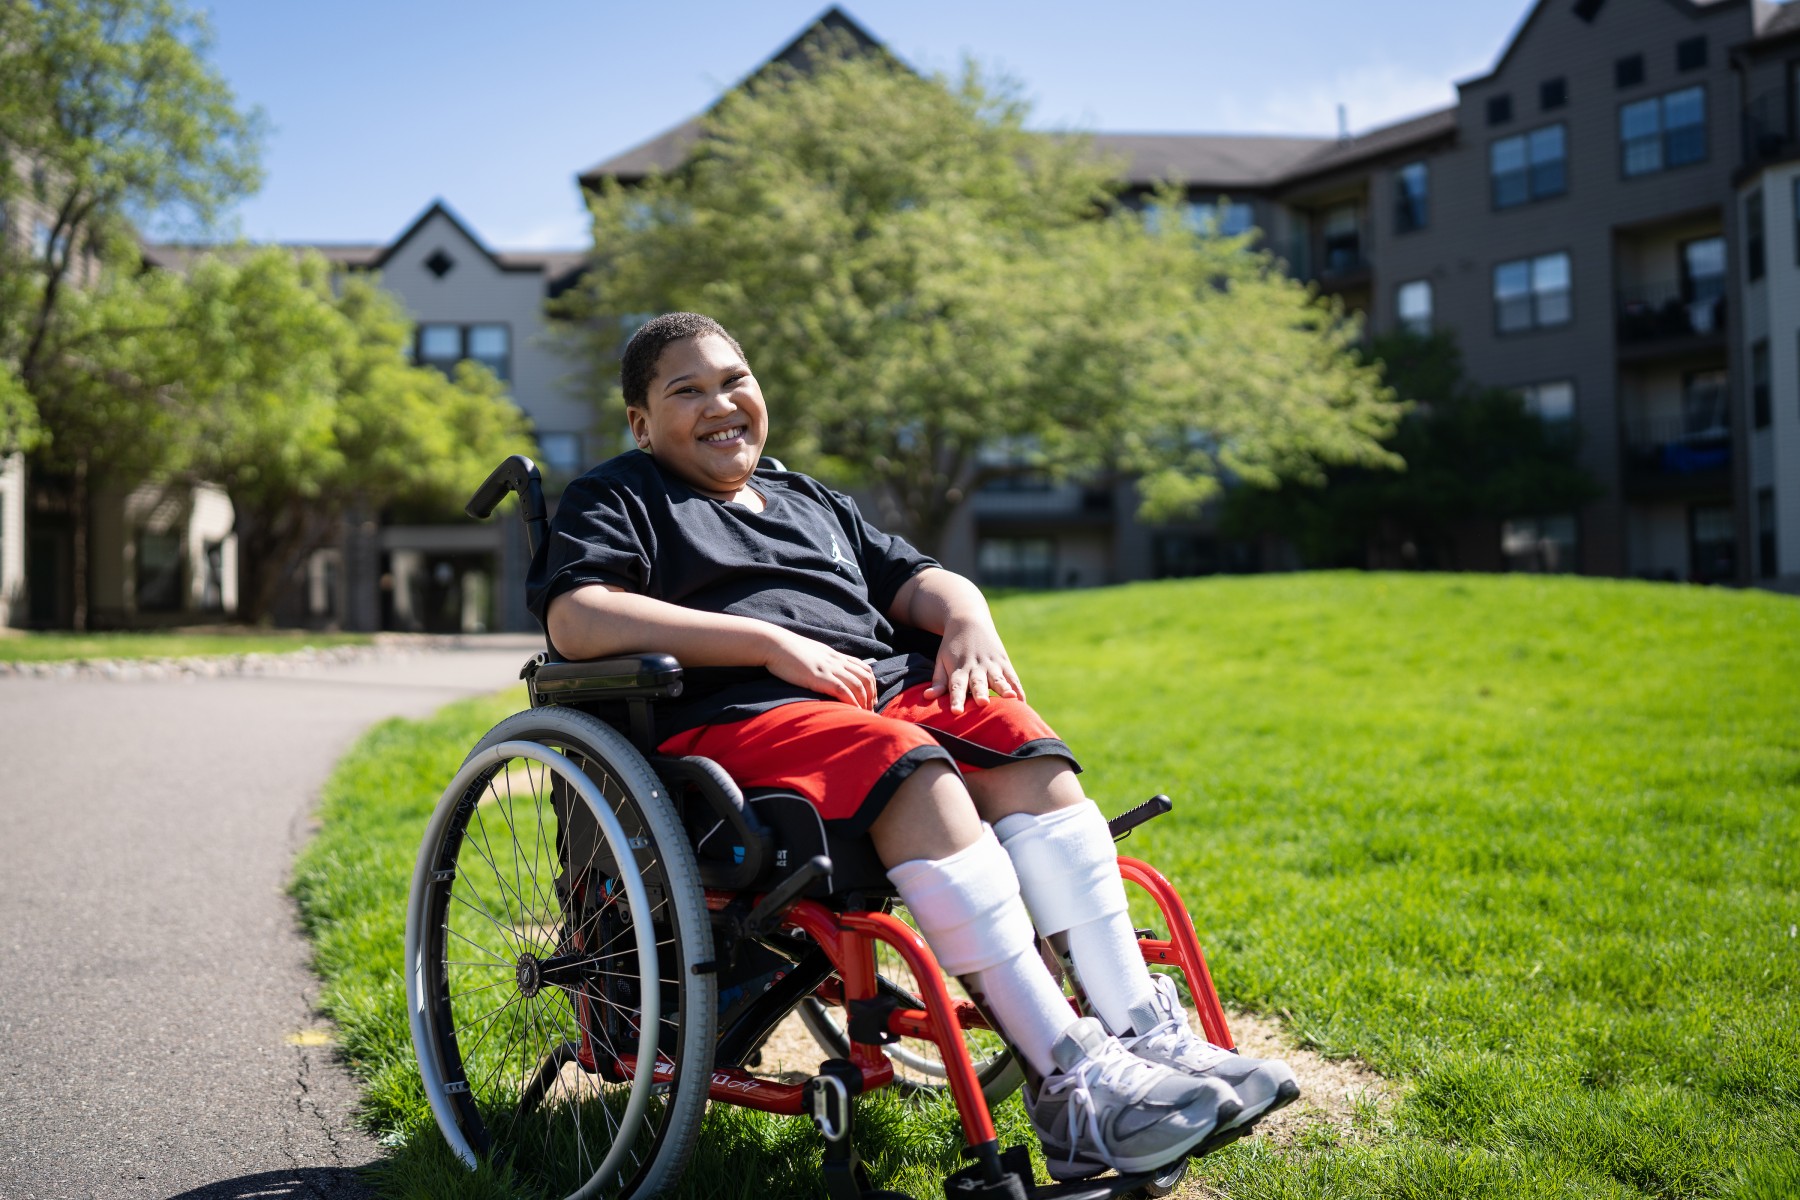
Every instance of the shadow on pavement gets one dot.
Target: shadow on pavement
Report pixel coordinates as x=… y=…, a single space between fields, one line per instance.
x=301 y=1183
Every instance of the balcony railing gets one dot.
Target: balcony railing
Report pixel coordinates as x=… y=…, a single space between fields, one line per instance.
x=1661 y=312
x=1673 y=447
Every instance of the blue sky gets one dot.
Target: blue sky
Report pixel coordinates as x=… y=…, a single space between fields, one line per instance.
x=380 y=106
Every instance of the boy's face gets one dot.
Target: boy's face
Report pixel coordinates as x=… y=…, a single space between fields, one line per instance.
x=705 y=419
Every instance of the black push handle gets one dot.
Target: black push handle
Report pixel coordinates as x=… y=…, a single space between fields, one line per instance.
x=517 y=474
x=1122 y=825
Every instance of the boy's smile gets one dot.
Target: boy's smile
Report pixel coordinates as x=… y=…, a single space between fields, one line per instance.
x=704 y=417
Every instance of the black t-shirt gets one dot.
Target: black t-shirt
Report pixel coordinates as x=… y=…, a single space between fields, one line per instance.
x=808 y=563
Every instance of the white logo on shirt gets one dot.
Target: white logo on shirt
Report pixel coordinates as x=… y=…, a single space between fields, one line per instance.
x=837 y=555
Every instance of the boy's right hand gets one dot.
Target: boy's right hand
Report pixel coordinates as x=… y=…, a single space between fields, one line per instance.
x=817 y=667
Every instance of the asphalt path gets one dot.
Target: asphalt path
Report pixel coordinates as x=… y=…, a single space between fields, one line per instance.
x=157 y=1030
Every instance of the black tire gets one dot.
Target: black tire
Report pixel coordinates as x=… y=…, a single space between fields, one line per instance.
x=513 y=955
x=917 y=1063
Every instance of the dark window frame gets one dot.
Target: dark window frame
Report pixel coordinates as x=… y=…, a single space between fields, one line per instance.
x=1500 y=109
x=465 y=336
x=1629 y=65
x=1664 y=165
x=1530 y=171
x=1684 y=61
x=1553 y=94
x=1693 y=522
x=1568 y=422
x=1536 y=326
x=1400 y=320
x=145 y=598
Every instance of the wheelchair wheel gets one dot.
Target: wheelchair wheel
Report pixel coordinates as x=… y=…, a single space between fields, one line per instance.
x=555 y=918
x=918 y=1065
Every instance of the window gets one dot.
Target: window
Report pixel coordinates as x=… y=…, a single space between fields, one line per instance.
x=1629 y=71
x=1705 y=405
x=1713 y=543
x=1343 y=240
x=1017 y=562
x=1553 y=93
x=443 y=346
x=1753 y=236
x=491 y=346
x=1690 y=53
x=1414 y=307
x=1412 y=196
x=1587 y=10
x=440 y=346
x=158 y=571
x=1499 y=110
x=1545 y=545
x=1529 y=166
x=1759 y=383
x=1663 y=132
x=1531 y=293
x=1553 y=403
x=1223 y=219
x=1766 y=566
x=212 y=580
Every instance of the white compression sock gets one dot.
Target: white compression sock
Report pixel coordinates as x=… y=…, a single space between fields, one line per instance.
x=1069 y=875
x=968 y=908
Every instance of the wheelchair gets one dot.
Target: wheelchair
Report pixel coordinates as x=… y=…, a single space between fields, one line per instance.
x=600 y=938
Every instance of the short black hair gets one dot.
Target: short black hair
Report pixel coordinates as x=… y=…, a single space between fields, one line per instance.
x=637 y=367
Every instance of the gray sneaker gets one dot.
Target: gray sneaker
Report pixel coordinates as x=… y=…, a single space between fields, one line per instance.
x=1260 y=1084
x=1106 y=1107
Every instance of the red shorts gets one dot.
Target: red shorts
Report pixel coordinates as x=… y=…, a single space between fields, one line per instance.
x=849 y=761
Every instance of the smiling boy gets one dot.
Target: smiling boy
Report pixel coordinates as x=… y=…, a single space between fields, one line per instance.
x=783 y=606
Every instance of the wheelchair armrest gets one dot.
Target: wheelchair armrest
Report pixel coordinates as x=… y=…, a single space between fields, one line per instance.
x=632 y=677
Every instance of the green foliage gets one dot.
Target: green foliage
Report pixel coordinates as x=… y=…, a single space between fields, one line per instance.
x=109 y=112
x=18 y=415
x=916 y=277
x=306 y=405
x=1471 y=453
x=1525 y=844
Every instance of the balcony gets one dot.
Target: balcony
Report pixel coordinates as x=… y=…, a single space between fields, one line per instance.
x=1670 y=456
x=1672 y=317
x=1333 y=261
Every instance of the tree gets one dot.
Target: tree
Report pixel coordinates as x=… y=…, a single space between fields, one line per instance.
x=1472 y=454
x=109 y=112
x=306 y=407
x=917 y=278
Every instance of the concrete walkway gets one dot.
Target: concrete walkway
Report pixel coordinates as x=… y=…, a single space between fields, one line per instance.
x=154 y=994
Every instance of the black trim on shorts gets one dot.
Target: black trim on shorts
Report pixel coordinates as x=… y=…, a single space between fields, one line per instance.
x=889 y=782
x=985 y=757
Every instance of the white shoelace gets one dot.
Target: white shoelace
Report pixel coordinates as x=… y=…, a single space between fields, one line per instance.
x=1112 y=1068
x=1171 y=1038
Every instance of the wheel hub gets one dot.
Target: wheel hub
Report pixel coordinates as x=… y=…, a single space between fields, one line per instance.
x=529 y=973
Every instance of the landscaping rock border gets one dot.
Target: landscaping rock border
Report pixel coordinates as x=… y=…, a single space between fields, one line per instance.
x=285 y=662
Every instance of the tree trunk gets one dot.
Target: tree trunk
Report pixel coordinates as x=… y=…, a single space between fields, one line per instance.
x=78 y=519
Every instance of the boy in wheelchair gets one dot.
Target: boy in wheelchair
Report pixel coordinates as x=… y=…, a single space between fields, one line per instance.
x=789 y=613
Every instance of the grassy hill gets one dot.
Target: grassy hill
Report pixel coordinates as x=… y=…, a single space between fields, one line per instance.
x=1529 y=846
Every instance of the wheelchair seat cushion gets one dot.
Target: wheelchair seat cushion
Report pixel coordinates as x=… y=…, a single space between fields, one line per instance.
x=849 y=762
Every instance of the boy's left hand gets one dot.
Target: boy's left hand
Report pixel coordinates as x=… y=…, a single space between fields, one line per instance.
x=971 y=662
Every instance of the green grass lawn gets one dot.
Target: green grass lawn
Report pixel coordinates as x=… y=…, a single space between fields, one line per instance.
x=61 y=647
x=1528 y=846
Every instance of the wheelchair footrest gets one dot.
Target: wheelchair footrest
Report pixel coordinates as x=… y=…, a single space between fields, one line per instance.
x=978 y=1181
